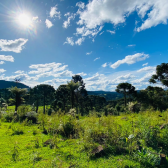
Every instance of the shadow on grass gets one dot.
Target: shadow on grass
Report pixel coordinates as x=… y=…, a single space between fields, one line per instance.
x=108 y=151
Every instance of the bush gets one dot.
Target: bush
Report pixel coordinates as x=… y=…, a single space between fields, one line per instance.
x=49 y=111
x=17 y=130
x=22 y=110
x=15 y=153
x=134 y=106
x=147 y=158
x=68 y=128
x=32 y=116
x=9 y=117
x=35 y=157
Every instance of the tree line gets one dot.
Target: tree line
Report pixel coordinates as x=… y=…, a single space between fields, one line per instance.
x=74 y=95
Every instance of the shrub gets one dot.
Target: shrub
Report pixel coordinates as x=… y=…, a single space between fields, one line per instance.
x=147 y=158
x=9 y=117
x=35 y=157
x=34 y=132
x=68 y=128
x=22 y=110
x=49 y=111
x=17 y=130
x=15 y=153
x=32 y=116
x=37 y=144
x=134 y=106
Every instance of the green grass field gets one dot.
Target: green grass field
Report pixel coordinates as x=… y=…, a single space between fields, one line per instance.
x=22 y=144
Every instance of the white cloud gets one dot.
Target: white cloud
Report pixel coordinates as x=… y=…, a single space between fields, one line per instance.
x=25 y=78
x=82 y=74
x=19 y=72
x=67 y=14
x=79 y=41
x=80 y=5
x=51 y=65
x=104 y=65
x=126 y=77
x=98 y=12
x=97 y=76
x=96 y=59
x=2 y=62
x=84 y=31
x=2 y=70
x=40 y=70
x=43 y=68
x=35 y=18
x=54 y=12
x=50 y=70
x=144 y=79
x=69 y=40
x=65 y=73
x=6 y=58
x=131 y=45
x=66 y=23
x=88 y=53
x=156 y=16
x=149 y=68
x=111 y=32
x=13 y=45
x=48 y=23
x=145 y=64
x=101 y=33
x=130 y=59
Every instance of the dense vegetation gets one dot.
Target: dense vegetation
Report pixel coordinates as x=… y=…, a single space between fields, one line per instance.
x=44 y=127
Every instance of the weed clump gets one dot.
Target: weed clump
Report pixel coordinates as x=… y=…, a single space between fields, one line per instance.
x=15 y=153
x=17 y=130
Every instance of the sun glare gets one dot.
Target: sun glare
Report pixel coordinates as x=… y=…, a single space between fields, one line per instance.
x=24 y=20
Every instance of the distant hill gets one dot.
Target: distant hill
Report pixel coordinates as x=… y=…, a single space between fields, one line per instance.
x=7 y=84
x=107 y=95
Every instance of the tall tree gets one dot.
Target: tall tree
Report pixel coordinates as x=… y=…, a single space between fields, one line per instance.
x=161 y=74
x=81 y=89
x=153 y=96
x=18 y=94
x=72 y=86
x=61 y=96
x=125 y=89
x=35 y=97
x=80 y=93
x=46 y=92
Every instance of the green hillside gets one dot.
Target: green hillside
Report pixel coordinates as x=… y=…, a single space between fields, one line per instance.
x=107 y=95
x=7 y=84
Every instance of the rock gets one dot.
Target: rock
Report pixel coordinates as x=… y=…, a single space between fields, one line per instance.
x=48 y=142
x=163 y=126
x=98 y=150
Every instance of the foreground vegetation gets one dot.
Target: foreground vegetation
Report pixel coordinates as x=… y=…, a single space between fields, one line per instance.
x=67 y=127
x=72 y=140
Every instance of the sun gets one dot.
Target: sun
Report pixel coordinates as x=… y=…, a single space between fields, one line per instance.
x=24 y=20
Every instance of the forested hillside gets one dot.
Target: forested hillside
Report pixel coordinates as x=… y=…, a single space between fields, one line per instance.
x=7 y=84
x=107 y=95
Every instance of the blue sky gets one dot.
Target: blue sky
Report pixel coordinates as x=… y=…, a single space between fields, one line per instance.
x=105 y=41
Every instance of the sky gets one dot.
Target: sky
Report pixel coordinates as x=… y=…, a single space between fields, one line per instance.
x=107 y=42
